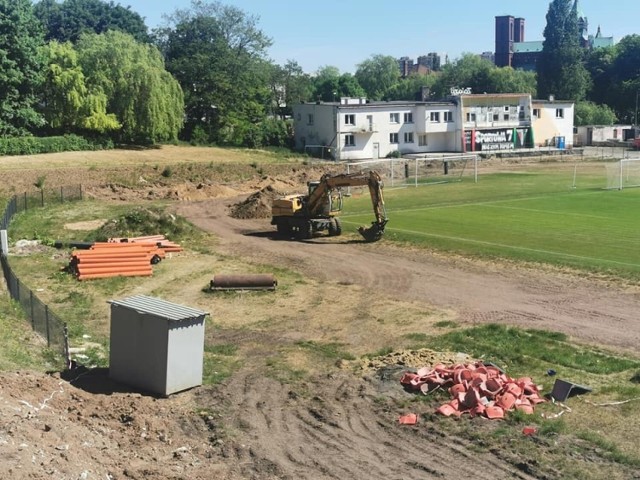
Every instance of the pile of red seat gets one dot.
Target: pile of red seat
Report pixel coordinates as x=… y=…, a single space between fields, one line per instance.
x=476 y=389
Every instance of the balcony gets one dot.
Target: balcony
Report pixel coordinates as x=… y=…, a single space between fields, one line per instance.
x=363 y=128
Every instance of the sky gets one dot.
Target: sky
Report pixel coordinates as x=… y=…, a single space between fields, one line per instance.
x=343 y=33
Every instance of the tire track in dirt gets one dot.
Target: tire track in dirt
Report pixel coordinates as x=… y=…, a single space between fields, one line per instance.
x=339 y=433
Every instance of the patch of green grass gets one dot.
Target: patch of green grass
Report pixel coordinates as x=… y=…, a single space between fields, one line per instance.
x=218 y=368
x=417 y=337
x=380 y=353
x=280 y=370
x=612 y=452
x=524 y=350
x=19 y=345
x=227 y=349
x=445 y=324
x=329 y=351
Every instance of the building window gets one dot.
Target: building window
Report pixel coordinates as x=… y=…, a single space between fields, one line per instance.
x=536 y=112
x=408 y=137
x=422 y=140
x=559 y=112
x=435 y=116
x=350 y=119
x=448 y=116
x=506 y=108
x=393 y=138
x=394 y=118
x=506 y=117
x=408 y=117
x=349 y=141
x=496 y=117
x=310 y=119
x=471 y=117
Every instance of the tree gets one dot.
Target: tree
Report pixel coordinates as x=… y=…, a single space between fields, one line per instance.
x=329 y=85
x=409 y=88
x=66 y=102
x=289 y=85
x=625 y=75
x=377 y=75
x=561 y=71
x=20 y=67
x=217 y=53
x=589 y=113
x=70 y=19
x=146 y=100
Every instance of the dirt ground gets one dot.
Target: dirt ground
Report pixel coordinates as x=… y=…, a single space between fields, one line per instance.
x=330 y=426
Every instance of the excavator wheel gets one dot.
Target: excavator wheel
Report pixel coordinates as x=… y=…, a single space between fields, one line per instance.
x=305 y=232
x=335 y=227
x=284 y=229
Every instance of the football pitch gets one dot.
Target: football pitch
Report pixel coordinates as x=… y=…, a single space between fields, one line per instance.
x=559 y=214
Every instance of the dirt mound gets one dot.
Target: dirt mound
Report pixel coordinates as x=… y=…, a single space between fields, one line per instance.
x=92 y=429
x=257 y=205
x=408 y=359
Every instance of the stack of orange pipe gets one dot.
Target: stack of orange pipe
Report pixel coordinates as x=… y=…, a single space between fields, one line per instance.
x=105 y=260
x=159 y=240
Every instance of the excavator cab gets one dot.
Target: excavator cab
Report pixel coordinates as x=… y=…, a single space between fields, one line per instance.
x=331 y=201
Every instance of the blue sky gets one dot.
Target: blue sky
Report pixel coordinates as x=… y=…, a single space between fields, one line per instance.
x=343 y=33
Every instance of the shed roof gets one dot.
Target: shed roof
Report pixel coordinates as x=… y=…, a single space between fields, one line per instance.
x=158 y=307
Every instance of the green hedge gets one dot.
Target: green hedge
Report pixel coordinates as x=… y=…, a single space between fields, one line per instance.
x=34 y=145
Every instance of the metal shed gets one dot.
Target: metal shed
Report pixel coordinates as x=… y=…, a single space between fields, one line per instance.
x=156 y=346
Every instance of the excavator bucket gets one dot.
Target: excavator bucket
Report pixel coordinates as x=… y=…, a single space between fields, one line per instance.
x=374 y=232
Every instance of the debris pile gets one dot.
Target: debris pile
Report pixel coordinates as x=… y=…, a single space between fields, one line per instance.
x=476 y=389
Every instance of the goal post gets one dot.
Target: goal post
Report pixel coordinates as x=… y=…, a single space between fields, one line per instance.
x=624 y=173
x=421 y=169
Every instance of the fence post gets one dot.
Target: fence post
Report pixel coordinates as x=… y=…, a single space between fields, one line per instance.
x=42 y=197
x=46 y=319
x=61 y=194
x=25 y=200
x=33 y=322
x=67 y=356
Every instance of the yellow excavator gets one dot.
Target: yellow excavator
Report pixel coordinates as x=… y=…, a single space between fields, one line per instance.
x=300 y=216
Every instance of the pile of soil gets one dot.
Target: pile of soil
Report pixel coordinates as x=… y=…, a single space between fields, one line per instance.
x=408 y=359
x=257 y=205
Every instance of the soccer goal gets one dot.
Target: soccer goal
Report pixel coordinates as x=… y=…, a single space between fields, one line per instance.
x=623 y=174
x=419 y=170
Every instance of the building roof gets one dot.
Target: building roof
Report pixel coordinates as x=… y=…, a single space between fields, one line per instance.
x=601 y=42
x=392 y=103
x=533 y=46
x=158 y=308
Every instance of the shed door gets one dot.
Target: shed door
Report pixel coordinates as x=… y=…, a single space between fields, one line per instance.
x=376 y=151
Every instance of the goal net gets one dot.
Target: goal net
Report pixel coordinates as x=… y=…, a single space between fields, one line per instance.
x=623 y=174
x=418 y=170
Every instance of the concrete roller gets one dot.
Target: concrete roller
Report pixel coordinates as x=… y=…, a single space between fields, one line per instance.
x=263 y=281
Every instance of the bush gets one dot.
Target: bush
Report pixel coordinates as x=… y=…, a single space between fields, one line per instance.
x=35 y=145
x=394 y=154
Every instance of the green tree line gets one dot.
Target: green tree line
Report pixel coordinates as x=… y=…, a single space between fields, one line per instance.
x=93 y=68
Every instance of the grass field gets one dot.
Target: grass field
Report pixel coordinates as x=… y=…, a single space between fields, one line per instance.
x=531 y=213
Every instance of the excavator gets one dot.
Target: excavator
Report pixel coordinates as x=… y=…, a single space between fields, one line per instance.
x=300 y=216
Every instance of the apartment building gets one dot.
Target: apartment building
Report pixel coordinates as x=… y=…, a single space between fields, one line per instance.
x=355 y=129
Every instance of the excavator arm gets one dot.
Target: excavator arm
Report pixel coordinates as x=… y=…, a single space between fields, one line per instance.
x=372 y=180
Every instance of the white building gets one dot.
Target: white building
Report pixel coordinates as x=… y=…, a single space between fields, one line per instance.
x=553 y=123
x=354 y=129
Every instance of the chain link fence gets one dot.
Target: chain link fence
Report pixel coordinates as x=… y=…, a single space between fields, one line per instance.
x=43 y=321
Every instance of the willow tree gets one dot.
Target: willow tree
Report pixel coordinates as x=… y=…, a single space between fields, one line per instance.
x=66 y=102
x=146 y=100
